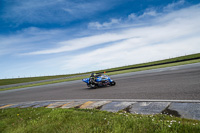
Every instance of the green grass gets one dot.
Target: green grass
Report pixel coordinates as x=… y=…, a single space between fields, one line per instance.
x=157 y=62
x=31 y=79
x=155 y=67
x=111 y=73
x=44 y=83
x=44 y=120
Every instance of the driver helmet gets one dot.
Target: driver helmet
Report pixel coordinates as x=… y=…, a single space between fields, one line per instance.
x=92 y=75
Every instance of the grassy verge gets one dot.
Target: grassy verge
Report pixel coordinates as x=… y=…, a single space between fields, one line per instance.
x=169 y=61
x=44 y=83
x=31 y=79
x=87 y=121
x=111 y=73
x=155 y=67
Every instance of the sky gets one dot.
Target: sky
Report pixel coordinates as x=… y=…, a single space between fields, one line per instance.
x=53 y=37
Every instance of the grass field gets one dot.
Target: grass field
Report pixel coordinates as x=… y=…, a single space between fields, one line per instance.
x=88 y=121
x=31 y=79
x=44 y=83
x=177 y=59
x=155 y=67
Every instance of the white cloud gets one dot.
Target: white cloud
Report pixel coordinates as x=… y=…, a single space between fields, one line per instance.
x=104 y=25
x=132 y=16
x=79 y=43
x=131 y=20
x=126 y=53
x=173 y=5
x=52 y=11
x=134 y=19
x=172 y=35
x=148 y=13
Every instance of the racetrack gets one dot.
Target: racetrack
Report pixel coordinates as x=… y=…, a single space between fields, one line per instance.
x=173 y=83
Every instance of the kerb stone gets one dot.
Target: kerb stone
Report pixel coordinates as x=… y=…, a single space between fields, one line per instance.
x=148 y=107
x=116 y=106
x=187 y=110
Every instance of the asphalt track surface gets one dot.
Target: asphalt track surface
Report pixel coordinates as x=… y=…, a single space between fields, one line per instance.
x=173 y=83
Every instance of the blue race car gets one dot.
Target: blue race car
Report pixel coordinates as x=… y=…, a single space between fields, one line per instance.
x=98 y=80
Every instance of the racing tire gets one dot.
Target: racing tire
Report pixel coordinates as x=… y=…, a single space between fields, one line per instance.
x=113 y=83
x=93 y=86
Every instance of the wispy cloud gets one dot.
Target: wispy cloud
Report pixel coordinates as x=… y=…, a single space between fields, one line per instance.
x=79 y=43
x=174 y=5
x=51 y=11
x=105 y=24
x=135 y=19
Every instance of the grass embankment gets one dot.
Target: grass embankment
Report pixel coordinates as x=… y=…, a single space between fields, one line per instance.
x=86 y=121
x=155 y=67
x=32 y=79
x=44 y=83
x=113 y=71
x=161 y=62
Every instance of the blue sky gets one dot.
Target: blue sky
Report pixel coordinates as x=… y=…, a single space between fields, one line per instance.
x=52 y=37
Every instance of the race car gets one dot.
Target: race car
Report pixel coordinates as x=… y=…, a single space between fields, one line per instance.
x=98 y=80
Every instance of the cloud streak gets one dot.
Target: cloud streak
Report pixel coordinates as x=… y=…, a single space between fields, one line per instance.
x=105 y=24
x=52 y=11
x=80 y=43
